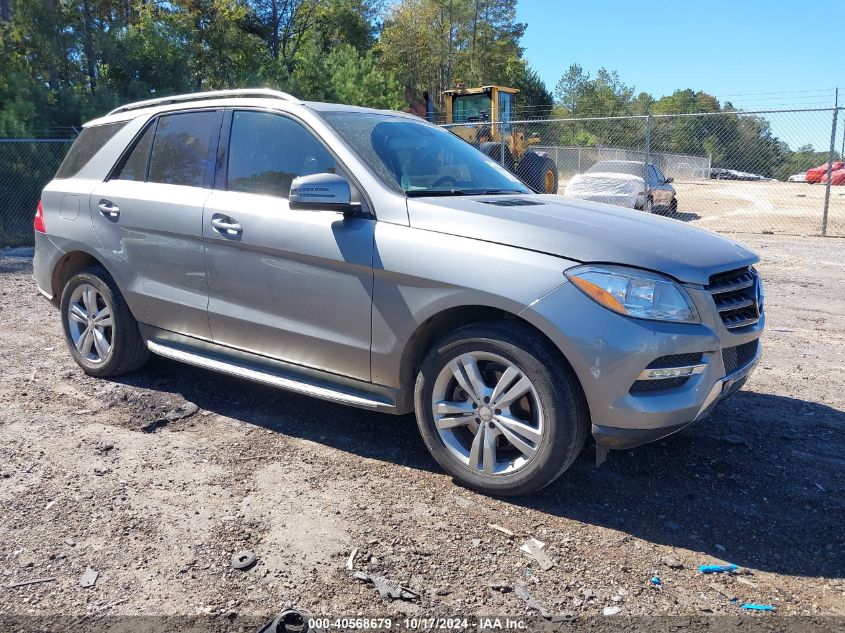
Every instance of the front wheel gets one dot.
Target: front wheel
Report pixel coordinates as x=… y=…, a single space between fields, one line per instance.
x=538 y=171
x=498 y=410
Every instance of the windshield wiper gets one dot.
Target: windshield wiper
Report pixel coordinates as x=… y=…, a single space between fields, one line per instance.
x=422 y=193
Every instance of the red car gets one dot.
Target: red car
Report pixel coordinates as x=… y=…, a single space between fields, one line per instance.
x=836 y=178
x=817 y=174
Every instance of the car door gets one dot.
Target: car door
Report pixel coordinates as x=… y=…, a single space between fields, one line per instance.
x=148 y=218
x=289 y=284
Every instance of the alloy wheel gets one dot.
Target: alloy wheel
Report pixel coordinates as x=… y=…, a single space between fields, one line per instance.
x=487 y=413
x=90 y=323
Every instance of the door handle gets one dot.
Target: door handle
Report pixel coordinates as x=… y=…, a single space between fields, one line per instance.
x=109 y=209
x=226 y=225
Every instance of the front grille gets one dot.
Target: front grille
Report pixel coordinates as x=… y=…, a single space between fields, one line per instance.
x=736 y=294
x=735 y=358
x=641 y=386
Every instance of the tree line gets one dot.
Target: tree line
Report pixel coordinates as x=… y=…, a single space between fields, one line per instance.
x=63 y=62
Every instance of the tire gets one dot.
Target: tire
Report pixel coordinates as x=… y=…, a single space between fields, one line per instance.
x=114 y=345
x=552 y=412
x=673 y=206
x=539 y=172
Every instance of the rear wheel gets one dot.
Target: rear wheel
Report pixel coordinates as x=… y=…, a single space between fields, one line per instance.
x=100 y=331
x=539 y=172
x=498 y=411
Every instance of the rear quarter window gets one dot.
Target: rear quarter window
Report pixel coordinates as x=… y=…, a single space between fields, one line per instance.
x=89 y=142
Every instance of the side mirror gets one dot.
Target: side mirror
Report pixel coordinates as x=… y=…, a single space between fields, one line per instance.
x=321 y=192
x=668 y=180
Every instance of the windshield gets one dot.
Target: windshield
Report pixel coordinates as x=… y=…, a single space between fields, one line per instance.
x=418 y=159
x=617 y=167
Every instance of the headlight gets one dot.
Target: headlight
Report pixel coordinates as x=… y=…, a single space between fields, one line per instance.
x=634 y=293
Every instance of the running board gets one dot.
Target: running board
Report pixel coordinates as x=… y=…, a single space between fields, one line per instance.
x=267 y=378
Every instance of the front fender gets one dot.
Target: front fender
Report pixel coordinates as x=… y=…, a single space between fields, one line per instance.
x=419 y=274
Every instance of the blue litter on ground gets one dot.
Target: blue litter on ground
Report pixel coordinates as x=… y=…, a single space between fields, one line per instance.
x=758 y=607
x=655 y=580
x=715 y=569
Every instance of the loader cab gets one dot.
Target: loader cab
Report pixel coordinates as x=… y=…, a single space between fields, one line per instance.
x=480 y=105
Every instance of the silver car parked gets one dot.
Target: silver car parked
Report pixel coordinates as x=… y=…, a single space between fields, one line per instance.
x=372 y=259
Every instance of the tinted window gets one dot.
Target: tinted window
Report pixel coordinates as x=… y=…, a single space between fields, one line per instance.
x=89 y=142
x=181 y=148
x=658 y=174
x=268 y=151
x=134 y=165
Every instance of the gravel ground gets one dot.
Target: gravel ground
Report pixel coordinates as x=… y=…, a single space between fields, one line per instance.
x=125 y=477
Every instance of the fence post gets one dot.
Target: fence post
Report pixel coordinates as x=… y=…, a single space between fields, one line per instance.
x=830 y=164
x=647 y=158
x=502 y=143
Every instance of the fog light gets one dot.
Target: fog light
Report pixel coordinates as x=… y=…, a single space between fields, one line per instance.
x=671 y=372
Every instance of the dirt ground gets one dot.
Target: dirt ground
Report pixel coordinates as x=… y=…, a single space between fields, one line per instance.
x=781 y=208
x=108 y=474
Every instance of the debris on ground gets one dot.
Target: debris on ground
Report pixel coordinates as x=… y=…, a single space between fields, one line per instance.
x=289 y=619
x=501 y=529
x=243 y=560
x=670 y=562
x=758 y=607
x=717 y=569
x=522 y=592
x=185 y=410
x=34 y=581
x=88 y=578
x=610 y=610
x=534 y=548
x=387 y=588
x=655 y=580
x=350 y=562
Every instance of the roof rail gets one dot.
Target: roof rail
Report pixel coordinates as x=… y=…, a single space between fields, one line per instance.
x=211 y=94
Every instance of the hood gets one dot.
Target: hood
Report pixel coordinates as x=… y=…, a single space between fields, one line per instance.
x=584 y=231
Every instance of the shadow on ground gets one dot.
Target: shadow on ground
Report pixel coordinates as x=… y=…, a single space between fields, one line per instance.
x=759 y=484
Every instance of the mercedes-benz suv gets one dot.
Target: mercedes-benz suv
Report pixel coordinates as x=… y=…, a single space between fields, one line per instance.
x=370 y=258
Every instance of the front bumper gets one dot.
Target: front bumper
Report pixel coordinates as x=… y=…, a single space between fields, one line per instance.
x=622 y=438
x=608 y=352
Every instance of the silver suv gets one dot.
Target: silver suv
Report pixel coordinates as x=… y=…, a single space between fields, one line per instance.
x=372 y=259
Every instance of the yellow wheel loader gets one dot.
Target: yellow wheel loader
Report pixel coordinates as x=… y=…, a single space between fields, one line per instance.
x=486 y=111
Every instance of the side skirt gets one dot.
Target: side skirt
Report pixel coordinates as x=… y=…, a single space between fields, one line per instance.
x=268 y=371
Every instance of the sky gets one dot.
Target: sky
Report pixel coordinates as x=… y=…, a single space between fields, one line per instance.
x=757 y=54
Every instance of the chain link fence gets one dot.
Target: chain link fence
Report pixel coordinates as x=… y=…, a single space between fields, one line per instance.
x=751 y=172
x=26 y=165
x=745 y=172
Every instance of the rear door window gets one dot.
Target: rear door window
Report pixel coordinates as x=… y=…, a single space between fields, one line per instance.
x=181 y=153
x=89 y=142
x=267 y=151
